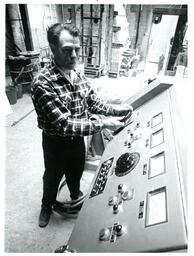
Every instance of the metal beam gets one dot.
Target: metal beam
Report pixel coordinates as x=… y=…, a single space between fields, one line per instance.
x=170 y=11
x=26 y=27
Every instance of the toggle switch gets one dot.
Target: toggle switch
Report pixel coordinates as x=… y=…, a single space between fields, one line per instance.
x=119 y=230
x=129 y=145
x=129 y=131
x=137 y=124
x=125 y=143
x=121 y=188
x=115 y=208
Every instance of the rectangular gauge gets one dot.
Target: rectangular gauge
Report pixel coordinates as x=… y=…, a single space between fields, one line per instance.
x=156 y=165
x=157 y=138
x=158 y=119
x=156 y=209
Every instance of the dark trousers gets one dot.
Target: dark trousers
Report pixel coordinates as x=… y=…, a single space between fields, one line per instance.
x=62 y=155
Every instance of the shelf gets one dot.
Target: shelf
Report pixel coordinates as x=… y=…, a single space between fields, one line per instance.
x=91 y=36
x=117 y=45
x=116 y=29
x=91 y=18
x=89 y=46
x=87 y=57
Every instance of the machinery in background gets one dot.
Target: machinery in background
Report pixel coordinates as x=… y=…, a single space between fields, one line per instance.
x=137 y=201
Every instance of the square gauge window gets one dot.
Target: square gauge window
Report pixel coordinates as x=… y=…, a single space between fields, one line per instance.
x=156 y=165
x=156 y=208
x=157 y=138
x=158 y=119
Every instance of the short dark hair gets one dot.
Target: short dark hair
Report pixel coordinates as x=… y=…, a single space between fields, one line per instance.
x=55 y=30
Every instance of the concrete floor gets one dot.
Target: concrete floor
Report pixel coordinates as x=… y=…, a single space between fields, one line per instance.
x=24 y=169
x=23 y=180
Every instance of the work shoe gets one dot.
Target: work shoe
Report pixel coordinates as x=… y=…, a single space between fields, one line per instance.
x=77 y=197
x=67 y=210
x=44 y=216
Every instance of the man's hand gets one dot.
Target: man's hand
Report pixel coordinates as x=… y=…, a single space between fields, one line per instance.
x=112 y=123
x=122 y=110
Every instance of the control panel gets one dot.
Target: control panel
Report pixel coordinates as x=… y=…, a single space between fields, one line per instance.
x=136 y=202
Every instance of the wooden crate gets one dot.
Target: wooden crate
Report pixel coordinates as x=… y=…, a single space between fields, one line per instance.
x=93 y=71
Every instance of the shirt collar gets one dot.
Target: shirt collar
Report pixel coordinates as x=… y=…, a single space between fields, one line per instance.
x=56 y=73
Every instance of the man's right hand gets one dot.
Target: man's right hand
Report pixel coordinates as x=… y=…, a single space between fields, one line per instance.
x=112 y=123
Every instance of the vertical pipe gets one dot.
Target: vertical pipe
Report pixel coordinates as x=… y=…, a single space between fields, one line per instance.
x=11 y=47
x=82 y=31
x=16 y=26
x=73 y=14
x=100 y=33
x=109 y=35
x=59 y=9
x=90 y=51
x=26 y=27
x=138 y=25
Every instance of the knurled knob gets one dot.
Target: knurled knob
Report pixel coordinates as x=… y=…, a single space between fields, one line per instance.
x=112 y=200
x=104 y=234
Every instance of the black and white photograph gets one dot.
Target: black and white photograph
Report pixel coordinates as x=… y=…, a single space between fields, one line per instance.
x=95 y=107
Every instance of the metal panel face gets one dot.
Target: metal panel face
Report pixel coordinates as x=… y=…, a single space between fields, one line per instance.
x=135 y=202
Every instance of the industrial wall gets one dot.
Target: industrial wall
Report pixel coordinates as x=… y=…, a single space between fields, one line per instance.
x=107 y=31
x=140 y=24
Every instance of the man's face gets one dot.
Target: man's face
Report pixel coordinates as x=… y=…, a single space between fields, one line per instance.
x=66 y=54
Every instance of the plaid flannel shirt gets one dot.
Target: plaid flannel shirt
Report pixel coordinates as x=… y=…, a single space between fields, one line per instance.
x=65 y=108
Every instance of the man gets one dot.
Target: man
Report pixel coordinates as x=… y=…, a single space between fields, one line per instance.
x=64 y=103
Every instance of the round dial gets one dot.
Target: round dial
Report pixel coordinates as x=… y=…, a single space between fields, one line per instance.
x=126 y=163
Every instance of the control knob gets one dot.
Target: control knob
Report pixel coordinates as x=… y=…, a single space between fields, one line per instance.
x=121 y=188
x=112 y=200
x=104 y=234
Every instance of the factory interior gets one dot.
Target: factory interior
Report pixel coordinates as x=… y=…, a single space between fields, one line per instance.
x=130 y=53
